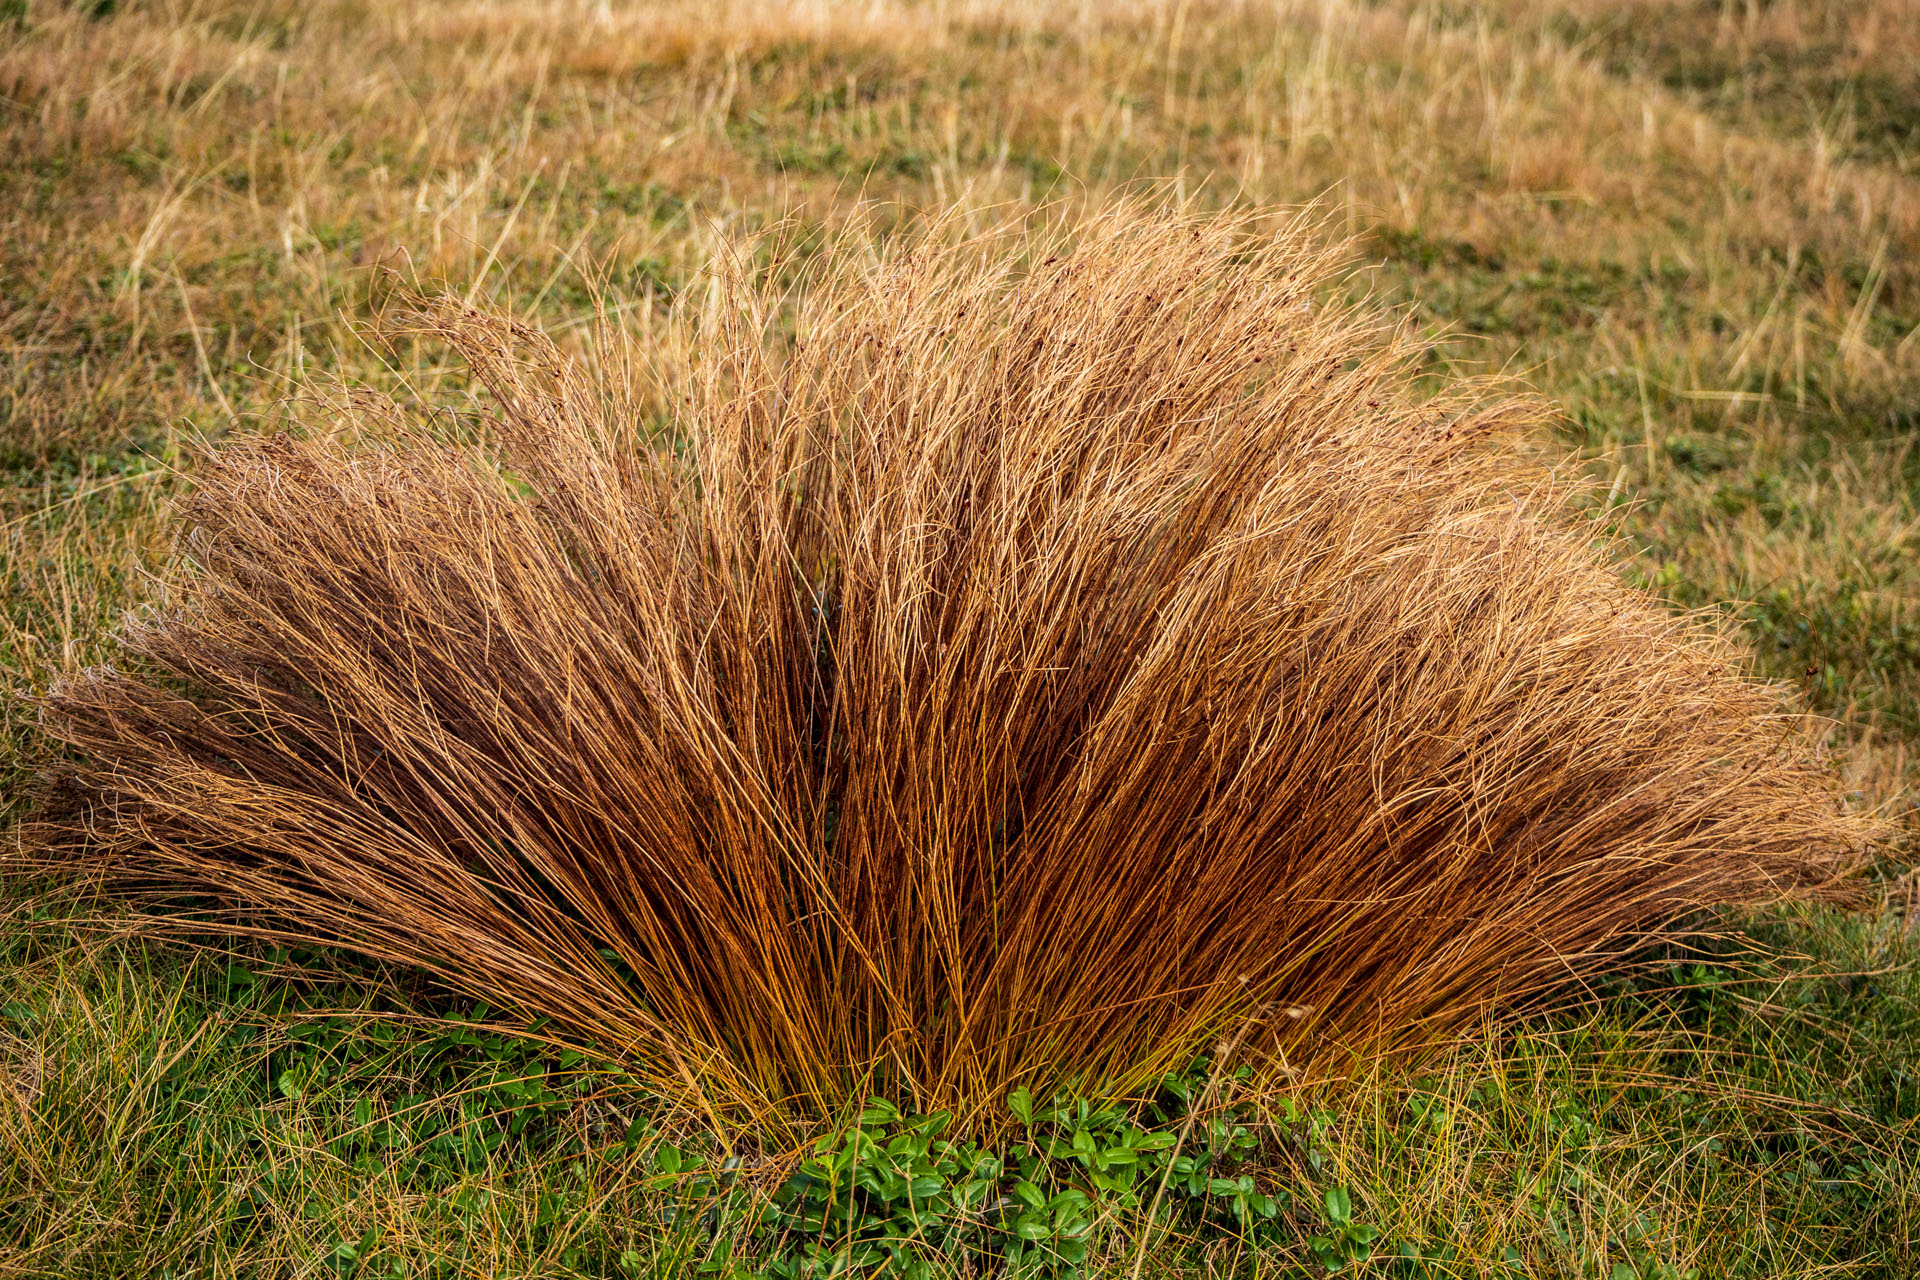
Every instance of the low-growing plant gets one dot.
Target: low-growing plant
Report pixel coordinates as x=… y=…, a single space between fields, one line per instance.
x=900 y=1194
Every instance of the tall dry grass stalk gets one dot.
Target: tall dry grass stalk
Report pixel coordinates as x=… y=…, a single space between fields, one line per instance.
x=1022 y=660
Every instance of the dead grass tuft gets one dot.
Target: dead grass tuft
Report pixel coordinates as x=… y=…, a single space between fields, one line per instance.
x=1019 y=661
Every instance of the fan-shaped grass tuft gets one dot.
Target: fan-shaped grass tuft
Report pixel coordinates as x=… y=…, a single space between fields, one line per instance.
x=1018 y=661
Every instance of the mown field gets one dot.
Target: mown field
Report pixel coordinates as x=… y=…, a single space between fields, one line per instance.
x=1695 y=226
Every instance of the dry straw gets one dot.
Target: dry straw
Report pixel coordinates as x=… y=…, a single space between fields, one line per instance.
x=1021 y=660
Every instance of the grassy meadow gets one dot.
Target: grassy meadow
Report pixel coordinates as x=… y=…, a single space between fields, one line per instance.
x=1694 y=226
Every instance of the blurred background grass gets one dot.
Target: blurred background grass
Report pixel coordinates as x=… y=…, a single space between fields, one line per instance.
x=1694 y=225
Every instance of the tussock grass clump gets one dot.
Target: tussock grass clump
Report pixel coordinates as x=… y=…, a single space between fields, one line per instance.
x=1021 y=662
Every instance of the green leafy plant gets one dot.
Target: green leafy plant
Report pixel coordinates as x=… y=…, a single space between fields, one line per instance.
x=1346 y=1242
x=899 y=1194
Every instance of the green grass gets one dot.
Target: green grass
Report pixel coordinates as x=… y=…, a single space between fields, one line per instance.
x=1696 y=227
x=260 y=1113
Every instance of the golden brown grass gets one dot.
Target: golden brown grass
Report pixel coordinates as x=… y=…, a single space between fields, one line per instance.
x=1694 y=227
x=1064 y=648
x=1681 y=223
